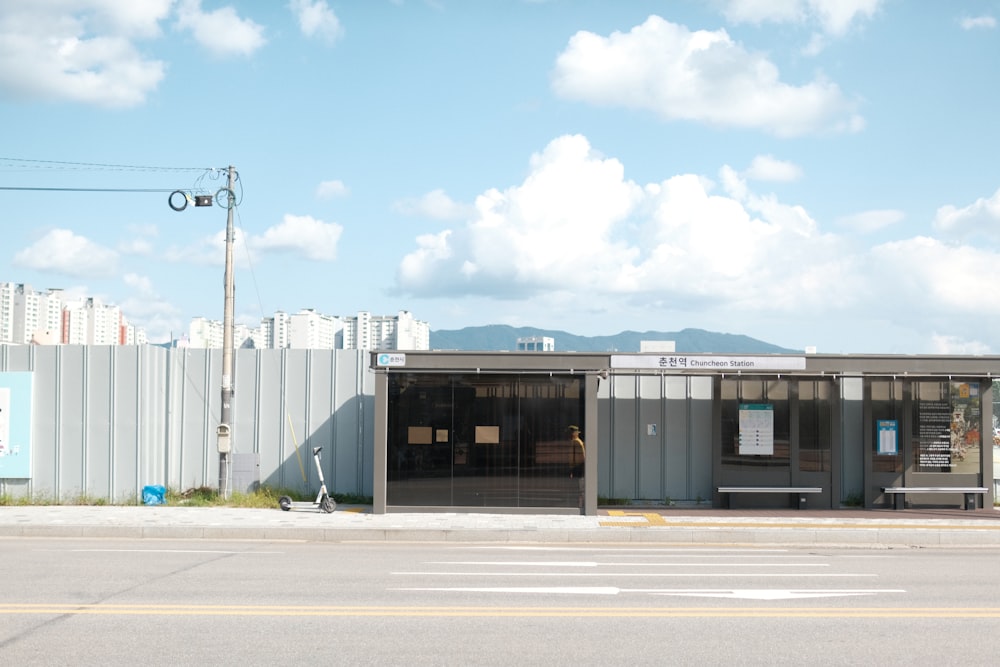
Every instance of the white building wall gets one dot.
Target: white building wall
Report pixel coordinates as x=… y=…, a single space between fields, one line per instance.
x=77 y=323
x=310 y=330
x=385 y=332
x=25 y=313
x=104 y=323
x=205 y=333
x=7 y=312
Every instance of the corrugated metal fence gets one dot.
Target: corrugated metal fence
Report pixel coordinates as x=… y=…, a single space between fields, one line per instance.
x=108 y=420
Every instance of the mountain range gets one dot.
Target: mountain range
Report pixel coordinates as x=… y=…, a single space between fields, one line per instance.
x=500 y=337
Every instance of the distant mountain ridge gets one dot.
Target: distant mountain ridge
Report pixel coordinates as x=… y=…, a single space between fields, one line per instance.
x=501 y=337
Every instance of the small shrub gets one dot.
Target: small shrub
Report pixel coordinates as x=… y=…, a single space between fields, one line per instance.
x=854 y=499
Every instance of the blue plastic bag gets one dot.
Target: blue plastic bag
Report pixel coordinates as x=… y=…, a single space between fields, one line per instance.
x=154 y=495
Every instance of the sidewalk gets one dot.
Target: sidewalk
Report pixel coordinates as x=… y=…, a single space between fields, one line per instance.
x=849 y=527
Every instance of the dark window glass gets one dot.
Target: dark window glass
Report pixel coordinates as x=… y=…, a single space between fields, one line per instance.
x=485 y=440
x=887 y=404
x=946 y=421
x=760 y=408
x=815 y=425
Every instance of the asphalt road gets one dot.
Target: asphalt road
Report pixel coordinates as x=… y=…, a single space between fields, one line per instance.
x=158 y=602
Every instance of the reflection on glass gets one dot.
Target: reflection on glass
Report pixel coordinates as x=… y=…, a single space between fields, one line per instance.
x=946 y=423
x=887 y=405
x=498 y=441
x=750 y=398
x=815 y=425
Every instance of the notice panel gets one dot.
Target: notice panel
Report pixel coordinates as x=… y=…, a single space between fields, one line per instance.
x=15 y=425
x=756 y=429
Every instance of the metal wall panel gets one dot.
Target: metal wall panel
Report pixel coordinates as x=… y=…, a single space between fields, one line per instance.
x=605 y=441
x=700 y=421
x=109 y=420
x=675 y=430
x=624 y=410
x=649 y=440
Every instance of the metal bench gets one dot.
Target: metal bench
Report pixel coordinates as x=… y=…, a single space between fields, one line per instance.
x=798 y=491
x=900 y=492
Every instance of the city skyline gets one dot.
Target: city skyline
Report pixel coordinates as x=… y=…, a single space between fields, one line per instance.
x=811 y=173
x=47 y=317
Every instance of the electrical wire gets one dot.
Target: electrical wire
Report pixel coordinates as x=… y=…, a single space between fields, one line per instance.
x=58 y=164
x=39 y=189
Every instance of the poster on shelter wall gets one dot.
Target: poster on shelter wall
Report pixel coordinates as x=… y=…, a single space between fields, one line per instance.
x=15 y=425
x=887 y=442
x=756 y=429
x=948 y=430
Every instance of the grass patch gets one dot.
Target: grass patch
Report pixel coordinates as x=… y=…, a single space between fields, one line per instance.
x=601 y=500
x=202 y=496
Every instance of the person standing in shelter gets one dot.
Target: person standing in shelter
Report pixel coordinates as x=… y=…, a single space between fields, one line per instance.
x=578 y=453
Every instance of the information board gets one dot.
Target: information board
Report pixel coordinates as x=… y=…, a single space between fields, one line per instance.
x=15 y=425
x=756 y=429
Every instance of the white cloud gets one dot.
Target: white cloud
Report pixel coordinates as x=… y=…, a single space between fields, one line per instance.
x=834 y=17
x=140 y=242
x=769 y=168
x=331 y=189
x=436 y=205
x=62 y=251
x=84 y=52
x=146 y=309
x=935 y=281
x=870 y=221
x=982 y=216
x=316 y=19
x=956 y=345
x=301 y=234
x=701 y=76
x=575 y=231
x=978 y=22
x=220 y=31
x=837 y=17
x=552 y=231
x=577 y=240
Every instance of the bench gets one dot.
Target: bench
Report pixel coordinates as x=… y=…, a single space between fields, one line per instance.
x=798 y=491
x=970 y=493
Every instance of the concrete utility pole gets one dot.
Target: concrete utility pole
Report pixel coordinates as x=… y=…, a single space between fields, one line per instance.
x=225 y=428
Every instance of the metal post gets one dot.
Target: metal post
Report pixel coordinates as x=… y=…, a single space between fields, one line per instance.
x=225 y=430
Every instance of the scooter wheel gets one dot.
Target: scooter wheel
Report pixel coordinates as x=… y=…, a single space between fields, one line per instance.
x=327 y=504
x=285 y=503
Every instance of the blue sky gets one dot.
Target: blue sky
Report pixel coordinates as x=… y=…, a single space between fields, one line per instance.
x=808 y=172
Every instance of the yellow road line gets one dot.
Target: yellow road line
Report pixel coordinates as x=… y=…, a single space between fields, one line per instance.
x=500 y=612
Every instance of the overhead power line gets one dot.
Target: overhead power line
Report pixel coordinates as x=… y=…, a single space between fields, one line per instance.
x=56 y=164
x=12 y=187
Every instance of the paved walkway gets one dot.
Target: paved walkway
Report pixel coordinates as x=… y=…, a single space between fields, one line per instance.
x=860 y=528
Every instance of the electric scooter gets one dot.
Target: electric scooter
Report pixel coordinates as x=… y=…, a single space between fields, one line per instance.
x=323 y=500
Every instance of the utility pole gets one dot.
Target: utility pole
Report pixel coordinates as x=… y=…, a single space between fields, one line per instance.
x=225 y=428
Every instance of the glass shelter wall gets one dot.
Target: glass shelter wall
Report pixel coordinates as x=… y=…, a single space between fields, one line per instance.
x=471 y=440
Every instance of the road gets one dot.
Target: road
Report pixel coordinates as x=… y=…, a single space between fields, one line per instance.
x=136 y=602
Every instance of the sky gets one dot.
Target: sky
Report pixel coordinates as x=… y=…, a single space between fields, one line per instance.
x=811 y=173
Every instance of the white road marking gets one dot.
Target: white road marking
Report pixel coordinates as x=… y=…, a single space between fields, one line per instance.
x=168 y=551
x=776 y=594
x=626 y=574
x=571 y=563
x=735 y=593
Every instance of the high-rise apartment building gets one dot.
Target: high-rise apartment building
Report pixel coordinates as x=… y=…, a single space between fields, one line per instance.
x=47 y=318
x=385 y=332
x=90 y=322
x=308 y=329
x=27 y=316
